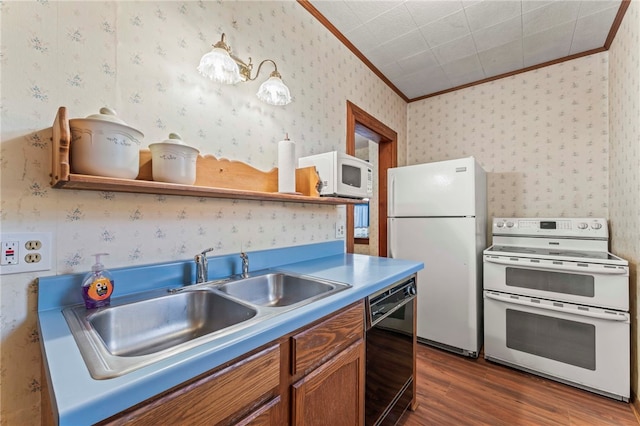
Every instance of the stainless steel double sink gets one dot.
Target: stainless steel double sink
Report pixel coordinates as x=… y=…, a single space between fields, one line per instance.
x=138 y=330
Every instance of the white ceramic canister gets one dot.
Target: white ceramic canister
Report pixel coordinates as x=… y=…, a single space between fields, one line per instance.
x=173 y=161
x=103 y=145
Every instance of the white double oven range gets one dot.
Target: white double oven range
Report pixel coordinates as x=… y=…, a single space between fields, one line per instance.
x=556 y=303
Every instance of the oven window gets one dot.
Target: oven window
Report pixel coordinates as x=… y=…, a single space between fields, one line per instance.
x=351 y=176
x=570 y=342
x=554 y=282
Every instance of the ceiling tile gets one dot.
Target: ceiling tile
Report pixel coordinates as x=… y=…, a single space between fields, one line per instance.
x=342 y=17
x=393 y=23
x=529 y=5
x=392 y=71
x=425 y=12
x=464 y=70
x=591 y=31
x=363 y=39
x=502 y=59
x=497 y=35
x=549 y=16
x=548 y=45
x=367 y=10
x=424 y=59
x=406 y=45
x=590 y=7
x=446 y=29
x=381 y=56
x=454 y=50
x=424 y=81
x=490 y=12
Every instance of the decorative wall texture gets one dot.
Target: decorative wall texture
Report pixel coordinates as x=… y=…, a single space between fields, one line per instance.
x=624 y=161
x=140 y=58
x=542 y=136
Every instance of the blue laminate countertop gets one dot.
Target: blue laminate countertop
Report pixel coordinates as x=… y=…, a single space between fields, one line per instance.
x=78 y=399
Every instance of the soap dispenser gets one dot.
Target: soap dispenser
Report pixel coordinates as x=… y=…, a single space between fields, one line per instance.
x=97 y=285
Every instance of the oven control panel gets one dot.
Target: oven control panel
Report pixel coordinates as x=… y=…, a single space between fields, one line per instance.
x=557 y=227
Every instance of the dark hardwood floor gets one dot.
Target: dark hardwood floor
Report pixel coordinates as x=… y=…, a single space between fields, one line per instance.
x=456 y=390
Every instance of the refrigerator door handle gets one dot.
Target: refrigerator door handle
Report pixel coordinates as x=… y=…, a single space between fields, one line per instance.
x=392 y=195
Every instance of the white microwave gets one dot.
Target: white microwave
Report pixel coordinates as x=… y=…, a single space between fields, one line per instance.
x=341 y=175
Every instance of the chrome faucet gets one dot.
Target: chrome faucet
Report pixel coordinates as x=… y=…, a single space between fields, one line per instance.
x=245 y=264
x=202 y=266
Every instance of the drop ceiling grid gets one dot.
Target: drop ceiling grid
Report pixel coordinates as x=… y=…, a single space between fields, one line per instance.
x=426 y=46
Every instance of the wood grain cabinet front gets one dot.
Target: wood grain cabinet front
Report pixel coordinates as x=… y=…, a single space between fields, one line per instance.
x=221 y=398
x=333 y=394
x=319 y=343
x=331 y=356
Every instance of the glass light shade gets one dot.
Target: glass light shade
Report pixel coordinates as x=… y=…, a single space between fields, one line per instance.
x=219 y=66
x=274 y=92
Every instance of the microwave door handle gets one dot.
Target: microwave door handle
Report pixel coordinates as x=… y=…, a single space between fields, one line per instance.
x=507 y=299
x=567 y=268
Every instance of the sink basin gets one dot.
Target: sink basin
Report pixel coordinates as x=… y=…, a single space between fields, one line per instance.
x=140 y=329
x=135 y=332
x=153 y=325
x=279 y=289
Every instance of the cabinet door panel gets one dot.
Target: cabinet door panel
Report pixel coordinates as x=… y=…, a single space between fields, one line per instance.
x=215 y=398
x=333 y=394
x=267 y=415
x=317 y=344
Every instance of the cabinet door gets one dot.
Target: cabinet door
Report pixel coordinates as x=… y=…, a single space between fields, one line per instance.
x=267 y=415
x=333 y=394
x=317 y=344
x=213 y=399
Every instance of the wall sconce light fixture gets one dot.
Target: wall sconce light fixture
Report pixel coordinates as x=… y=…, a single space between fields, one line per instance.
x=222 y=66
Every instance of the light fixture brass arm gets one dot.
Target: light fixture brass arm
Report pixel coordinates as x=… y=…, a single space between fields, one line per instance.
x=273 y=74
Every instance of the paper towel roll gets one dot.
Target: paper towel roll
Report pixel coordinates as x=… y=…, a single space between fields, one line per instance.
x=286 y=165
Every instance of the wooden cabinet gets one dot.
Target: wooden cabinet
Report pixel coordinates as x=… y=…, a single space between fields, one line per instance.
x=313 y=376
x=319 y=343
x=333 y=394
x=266 y=415
x=331 y=354
x=222 y=397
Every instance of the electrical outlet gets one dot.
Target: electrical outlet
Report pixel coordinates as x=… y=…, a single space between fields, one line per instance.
x=33 y=258
x=33 y=245
x=9 y=253
x=339 y=230
x=25 y=252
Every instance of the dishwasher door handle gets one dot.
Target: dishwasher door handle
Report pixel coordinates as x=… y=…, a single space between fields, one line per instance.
x=390 y=311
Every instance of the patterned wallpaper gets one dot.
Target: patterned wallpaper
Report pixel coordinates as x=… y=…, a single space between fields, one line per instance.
x=140 y=58
x=624 y=161
x=542 y=136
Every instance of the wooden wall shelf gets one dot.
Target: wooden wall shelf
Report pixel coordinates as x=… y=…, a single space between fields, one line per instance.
x=236 y=180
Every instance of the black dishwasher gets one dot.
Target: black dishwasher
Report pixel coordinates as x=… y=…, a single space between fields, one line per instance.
x=390 y=341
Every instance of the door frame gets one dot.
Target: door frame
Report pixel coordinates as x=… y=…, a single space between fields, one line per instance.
x=366 y=125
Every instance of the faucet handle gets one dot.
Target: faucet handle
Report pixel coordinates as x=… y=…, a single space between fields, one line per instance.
x=205 y=251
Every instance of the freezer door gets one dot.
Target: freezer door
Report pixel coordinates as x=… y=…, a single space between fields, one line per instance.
x=445 y=188
x=450 y=285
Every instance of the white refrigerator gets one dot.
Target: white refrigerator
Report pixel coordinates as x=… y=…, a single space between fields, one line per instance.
x=437 y=214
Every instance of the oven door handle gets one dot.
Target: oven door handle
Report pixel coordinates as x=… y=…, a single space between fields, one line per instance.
x=564 y=267
x=508 y=299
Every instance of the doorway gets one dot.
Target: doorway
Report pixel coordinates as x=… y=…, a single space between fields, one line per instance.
x=363 y=124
